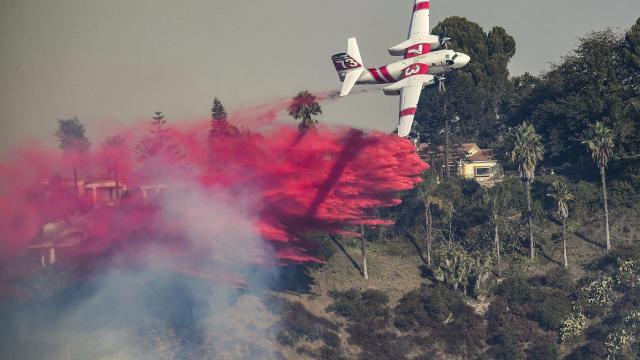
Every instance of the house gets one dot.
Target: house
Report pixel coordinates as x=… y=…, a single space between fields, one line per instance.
x=478 y=164
x=103 y=189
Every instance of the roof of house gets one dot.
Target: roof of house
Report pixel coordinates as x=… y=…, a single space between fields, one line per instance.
x=466 y=147
x=482 y=155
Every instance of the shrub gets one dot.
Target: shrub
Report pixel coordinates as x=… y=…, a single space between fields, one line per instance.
x=504 y=344
x=595 y=294
x=619 y=343
x=623 y=194
x=542 y=349
x=459 y=269
x=497 y=316
x=593 y=350
x=345 y=303
x=550 y=309
x=355 y=305
x=330 y=353
x=573 y=325
x=465 y=335
x=426 y=307
x=444 y=314
x=628 y=274
x=561 y=279
x=368 y=313
x=515 y=290
x=298 y=323
x=588 y=201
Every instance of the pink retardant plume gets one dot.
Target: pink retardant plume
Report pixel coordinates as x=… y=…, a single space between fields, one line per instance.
x=287 y=183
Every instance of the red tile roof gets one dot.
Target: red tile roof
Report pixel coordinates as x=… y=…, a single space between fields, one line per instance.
x=482 y=155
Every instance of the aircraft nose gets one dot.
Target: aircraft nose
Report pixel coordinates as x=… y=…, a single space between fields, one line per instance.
x=465 y=59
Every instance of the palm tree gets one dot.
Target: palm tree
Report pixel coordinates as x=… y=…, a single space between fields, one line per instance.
x=494 y=219
x=527 y=151
x=303 y=107
x=364 y=255
x=428 y=221
x=601 y=146
x=559 y=192
x=424 y=194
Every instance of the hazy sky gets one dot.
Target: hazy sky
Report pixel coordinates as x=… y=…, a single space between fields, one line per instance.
x=120 y=60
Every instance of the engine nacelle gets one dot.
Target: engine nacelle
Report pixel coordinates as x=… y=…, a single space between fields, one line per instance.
x=415 y=47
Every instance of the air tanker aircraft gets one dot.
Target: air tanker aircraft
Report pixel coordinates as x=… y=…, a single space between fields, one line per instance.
x=421 y=66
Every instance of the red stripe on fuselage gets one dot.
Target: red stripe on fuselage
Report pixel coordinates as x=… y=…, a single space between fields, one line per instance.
x=422 y=6
x=385 y=73
x=377 y=76
x=409 y=111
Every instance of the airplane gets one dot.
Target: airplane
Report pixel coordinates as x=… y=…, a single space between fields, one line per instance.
x=421 y=66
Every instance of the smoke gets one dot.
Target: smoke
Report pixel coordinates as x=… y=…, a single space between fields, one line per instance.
x=203 y=300
x=178 y=266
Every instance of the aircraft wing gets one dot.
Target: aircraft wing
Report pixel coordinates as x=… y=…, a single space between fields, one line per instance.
x=420 y=20
x=409 y=97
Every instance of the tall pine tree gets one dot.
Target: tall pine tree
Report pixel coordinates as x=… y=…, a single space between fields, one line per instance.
x=159 y=157
x=219 y=122
x=218 y=113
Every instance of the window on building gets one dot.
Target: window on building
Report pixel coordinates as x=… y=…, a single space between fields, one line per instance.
x=483 y=171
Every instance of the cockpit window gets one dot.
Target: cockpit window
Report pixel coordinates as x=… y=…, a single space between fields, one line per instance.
x=454 y=57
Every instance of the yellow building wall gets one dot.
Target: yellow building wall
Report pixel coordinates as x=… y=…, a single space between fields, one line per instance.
x=468 y=170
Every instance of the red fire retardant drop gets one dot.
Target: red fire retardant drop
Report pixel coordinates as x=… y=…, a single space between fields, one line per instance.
x=292 y=184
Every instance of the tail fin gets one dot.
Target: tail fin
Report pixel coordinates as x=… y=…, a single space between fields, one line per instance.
x=349 y=66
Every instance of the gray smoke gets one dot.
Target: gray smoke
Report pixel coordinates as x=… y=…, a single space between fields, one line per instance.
x=154 y=308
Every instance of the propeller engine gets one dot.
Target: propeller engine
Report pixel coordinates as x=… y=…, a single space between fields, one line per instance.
x=444 y=42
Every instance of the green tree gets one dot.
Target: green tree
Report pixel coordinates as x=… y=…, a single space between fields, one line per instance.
x=218 y=113
x=595 y=81
x=600 y=144
x=219 y=123
x=559 y=192
x=304 y=107
x=526 y=152
x=74 y=142
x=157 y=153
x=476 y=93
x=154 y=143
x=632 y=45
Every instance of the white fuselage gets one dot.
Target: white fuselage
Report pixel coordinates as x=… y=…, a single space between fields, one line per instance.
x=438 y=62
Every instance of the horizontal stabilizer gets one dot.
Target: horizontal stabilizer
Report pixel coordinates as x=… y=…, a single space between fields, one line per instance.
x=350 y=80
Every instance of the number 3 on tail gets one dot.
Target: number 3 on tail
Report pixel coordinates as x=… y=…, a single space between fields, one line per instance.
x=347 y=63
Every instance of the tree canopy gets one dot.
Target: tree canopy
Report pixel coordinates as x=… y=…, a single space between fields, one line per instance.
x=304 y=107
x=71 y=136
x=475 y=93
